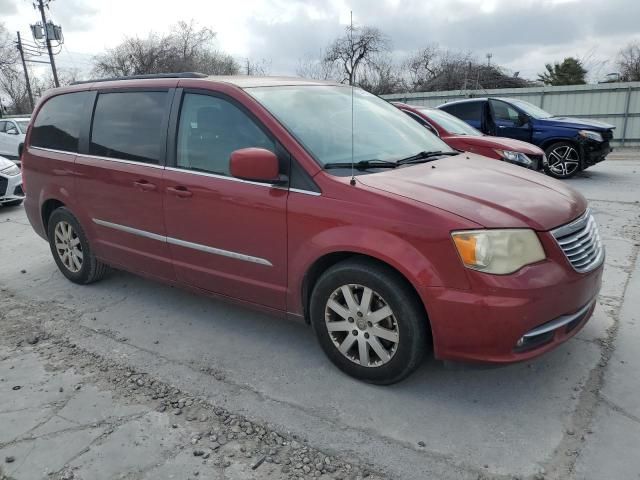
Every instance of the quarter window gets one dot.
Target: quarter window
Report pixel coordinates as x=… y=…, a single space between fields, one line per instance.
x=58 y=123
x=128 y=126
x=469 y=111
x=210 y=129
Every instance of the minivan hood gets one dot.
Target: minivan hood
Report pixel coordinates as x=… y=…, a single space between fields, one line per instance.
x=499 y=143
x=580 y=123
x=492 y=194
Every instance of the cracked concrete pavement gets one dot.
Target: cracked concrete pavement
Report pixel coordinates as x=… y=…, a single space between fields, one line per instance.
x=573 y=413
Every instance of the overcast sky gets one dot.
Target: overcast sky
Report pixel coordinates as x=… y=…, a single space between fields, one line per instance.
x=522 y=35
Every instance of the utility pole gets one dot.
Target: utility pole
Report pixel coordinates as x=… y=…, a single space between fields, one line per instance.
x=41 y=6
x=489 y=55
x=26 y=73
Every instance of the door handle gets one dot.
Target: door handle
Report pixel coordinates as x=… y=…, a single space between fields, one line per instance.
x=144 y=185
x=180 y=191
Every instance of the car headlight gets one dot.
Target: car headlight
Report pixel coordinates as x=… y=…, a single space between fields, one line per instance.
x=515 y=157
x=498 y=251
x=11 y=170
x=591 y=135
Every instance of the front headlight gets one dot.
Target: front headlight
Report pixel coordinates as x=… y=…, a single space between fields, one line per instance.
x=11 y=170
x=498 y=251
x=515 y=157
x=591 y=135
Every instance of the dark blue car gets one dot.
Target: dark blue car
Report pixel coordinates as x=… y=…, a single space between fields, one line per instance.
x=570 y=144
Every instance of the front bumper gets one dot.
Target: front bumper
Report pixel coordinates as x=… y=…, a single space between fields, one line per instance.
x=592 y=152
x=11 y=188
x=510 y=318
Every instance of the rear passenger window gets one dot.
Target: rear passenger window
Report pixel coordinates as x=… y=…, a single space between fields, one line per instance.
x=210 y=129
x=469 y=111
x=58 y=123
x=128 y=126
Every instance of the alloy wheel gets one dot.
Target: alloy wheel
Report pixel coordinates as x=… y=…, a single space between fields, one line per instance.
x=563 y=160
x=362 y=325
x=68 y=246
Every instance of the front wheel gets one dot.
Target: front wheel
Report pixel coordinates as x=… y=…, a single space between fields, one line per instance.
x=71 y=250
x=563 y=160
x=369 y=321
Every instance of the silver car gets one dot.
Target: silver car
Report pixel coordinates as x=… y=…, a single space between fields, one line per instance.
x=11 y=192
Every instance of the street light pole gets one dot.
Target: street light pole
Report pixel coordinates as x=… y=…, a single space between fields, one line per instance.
x=48 y=41
x=26 y=73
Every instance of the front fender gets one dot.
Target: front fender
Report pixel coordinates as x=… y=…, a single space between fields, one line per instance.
x=441 y=268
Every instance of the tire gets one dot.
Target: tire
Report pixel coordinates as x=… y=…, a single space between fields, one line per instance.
x=87 y=268
x=407 y=323
x=13 y=203
x=563 y=160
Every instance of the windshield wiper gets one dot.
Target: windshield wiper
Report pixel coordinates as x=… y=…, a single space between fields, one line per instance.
x=362 y=164
x=421 y=157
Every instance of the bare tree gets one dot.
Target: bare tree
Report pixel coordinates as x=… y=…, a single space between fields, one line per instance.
x=187 y=47
x=8 y=51
x=318 y=69
x=433 y=68
x=13 y=85
x=256 y=67
x=629 y=62
x=382 y=76
x=356 y=49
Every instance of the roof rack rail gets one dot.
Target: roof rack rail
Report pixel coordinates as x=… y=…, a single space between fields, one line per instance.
x=146 y=76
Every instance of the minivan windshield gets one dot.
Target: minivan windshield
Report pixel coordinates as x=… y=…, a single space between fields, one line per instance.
x=320 y=118
x=530 y=109
x=450 y=123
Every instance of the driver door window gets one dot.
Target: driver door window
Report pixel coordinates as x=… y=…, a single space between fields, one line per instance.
x=210 y=129
x=502 y=112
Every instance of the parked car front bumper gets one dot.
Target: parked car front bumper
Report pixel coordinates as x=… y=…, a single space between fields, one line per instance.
x=593 y=152
x=11 y=188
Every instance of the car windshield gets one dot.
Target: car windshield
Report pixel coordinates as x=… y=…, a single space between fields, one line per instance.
x=320 y=118
x=530 y=109
x=450 y=123
x=22 y=125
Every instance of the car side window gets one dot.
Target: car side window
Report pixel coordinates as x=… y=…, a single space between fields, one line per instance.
x=504 y=112
x=421 y=121
x=469 y=111
x=3 y=126
x=58 y=123
x=128 y=126
x=210 y=129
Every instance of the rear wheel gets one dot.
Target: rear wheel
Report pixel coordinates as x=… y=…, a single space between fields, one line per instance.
x=563 y=160
x=71 y=250
x=369 y=322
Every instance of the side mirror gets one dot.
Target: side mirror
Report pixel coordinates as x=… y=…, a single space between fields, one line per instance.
x=12 y=131
x=255 y=164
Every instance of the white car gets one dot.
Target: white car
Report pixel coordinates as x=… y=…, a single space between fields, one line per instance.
x=11 y=193
x=12 y=134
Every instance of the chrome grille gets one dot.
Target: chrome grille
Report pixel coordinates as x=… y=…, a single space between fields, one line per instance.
x=580 y=241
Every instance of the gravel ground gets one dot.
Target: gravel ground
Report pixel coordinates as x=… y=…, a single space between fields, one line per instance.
x=198 y=439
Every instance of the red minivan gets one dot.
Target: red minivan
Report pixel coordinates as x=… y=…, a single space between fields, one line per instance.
x=460 y=135
x=315 y=201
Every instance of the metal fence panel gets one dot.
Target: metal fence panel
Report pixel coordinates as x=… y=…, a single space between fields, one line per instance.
x=614 y=103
